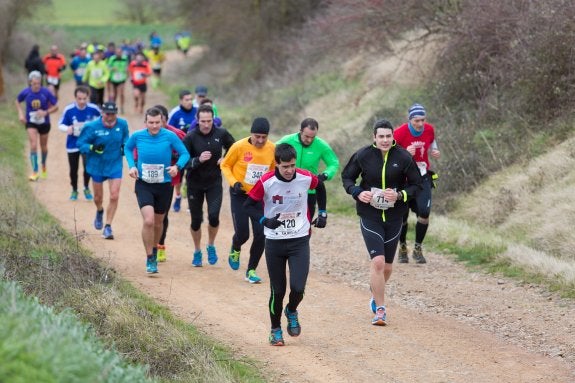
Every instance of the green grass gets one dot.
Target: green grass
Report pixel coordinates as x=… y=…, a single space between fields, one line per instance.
x=80 y=12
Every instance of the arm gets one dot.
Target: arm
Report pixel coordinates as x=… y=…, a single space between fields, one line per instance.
x=331 y=162
x=227 y=163
x=21 y=115
x=349 y=176
x=184 y=156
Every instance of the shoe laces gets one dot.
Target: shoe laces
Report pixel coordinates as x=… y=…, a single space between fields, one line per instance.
x=211 y=250
x=234 y=255
x=292 y=318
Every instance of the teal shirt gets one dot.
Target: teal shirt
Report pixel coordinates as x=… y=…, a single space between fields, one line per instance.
x=309 y=157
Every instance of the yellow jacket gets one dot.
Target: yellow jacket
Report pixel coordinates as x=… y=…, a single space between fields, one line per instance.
x=246 y=164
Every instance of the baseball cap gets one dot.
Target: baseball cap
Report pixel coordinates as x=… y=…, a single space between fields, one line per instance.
x=201 y=90
x=109 y=107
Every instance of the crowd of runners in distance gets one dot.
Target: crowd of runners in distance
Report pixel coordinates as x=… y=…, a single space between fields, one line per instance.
x=186 y=151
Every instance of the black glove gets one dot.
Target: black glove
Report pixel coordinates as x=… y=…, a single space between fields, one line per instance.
x=322 y=177
x=272 y=223
x=321 y=220
x=237 y=189
x=98 y=149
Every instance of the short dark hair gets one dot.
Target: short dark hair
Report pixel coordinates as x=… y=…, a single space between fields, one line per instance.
x=162 y=109
x=152 y=112
x=206 y=101
x=184 y=93
x=205 y=109
x=309 y=123
x=284 y=152
x=82 y=89
x=383 y=123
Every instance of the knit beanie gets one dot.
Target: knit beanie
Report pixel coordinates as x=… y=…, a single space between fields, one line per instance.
x=260 y=125
x=416 y=110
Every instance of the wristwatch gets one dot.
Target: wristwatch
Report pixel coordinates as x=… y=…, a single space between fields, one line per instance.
x=322 y=213
x=399 y=196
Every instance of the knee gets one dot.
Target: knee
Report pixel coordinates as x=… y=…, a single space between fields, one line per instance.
x=214 y=220
x=149 y=222
x=378 y=263
x=196 y=224
x=423 y=219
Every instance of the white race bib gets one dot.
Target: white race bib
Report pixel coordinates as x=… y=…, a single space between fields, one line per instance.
x=291 y=222
x=139 y=76
x=77 y=128
x=254 y=173
x=118 y=76
x=153 y=173
x=422 y=167
x=378 y=201
x=52 y=80
x=36 y=119
x=97 y=73
x=80 y=71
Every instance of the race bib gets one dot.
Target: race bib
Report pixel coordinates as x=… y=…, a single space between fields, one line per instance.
x=80 y=71
x=77 y=128
x=139 y=76
x=378 y=201
x=118 y=77
x=254 y=173
x=97 y=73
x=36 y=119
x=52 y=80
x=291 y=222
x=422 y=167
x=153 y=173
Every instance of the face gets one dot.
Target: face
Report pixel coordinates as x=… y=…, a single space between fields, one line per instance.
x=205 y=122
x=154 y=124
x=187 y=101
x=118 y=52
x=417 y=122
x=307 y=135
x=109 y=119
x=287 y=169
x=35 y=84
x=383 y=139
x=258 y=140
x=81 y=99
x=200 y=98
x=54 y=49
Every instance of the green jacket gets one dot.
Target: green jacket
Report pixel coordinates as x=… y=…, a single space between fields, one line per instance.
x=308 y=157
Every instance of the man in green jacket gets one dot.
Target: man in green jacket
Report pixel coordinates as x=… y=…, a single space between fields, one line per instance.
x=310 y=151
x=96 y=76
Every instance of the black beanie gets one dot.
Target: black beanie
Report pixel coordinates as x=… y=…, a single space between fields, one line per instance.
x=261 y=125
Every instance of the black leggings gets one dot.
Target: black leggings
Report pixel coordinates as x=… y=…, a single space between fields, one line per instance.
x=241 y=221
x=213 y=196
x=166 y=221
x=74 y=161
x=294 y=252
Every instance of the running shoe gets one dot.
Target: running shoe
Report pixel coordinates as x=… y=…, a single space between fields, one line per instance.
x=252 y=277
x=276 y=337
x=33 y=177
x=418 y=254
x=212 y=256
x=293 y=326
x=197 y=261
x=380 y=317
x=44 y=173
x=234 y=259
x=107 y=233
x=74 y=195
x=178 y=203
x=152 y=265
x=403 y=258
x=88 y=194
x=99 y=220
x=372 y=305
x=161 y=254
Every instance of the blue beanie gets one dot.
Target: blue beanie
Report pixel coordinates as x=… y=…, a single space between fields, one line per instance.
x=416 y=110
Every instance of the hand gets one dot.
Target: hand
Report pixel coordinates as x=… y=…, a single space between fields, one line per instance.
x=272 y=223
x=133 y=172
x=238 y=189
x=205 y=156
x=411 y=149
x=322 y=177
x=365 y=196
x=435 y=153
x=172 y=170
x=98 y=149
x=321 y=220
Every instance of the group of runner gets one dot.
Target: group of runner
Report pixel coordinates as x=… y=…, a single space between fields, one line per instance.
x=275 y=186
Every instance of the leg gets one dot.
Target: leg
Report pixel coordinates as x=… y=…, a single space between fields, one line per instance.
x=423 y=201
x=148 y=228
x=86 y=175
x=240 y=220
x=33 y=143
x=276 y=261
x=114 y=186
x=298 y=262
x=74 y=162
x=44 y=148
x=214 y=201
x=258 y=242
x=137 y=95
x=98 y=195
x=120 y=96
x=196 y=202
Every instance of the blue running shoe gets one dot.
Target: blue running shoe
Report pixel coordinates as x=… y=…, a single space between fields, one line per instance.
x=252 y=277
x=107 y=233
x=293 y=326
x=99 y=221
x=197 y=261
x=372 y=305
x=380 y=317
x=88 y=195
x=74 y=195
x=212 y=256
x=178 y=203
x=152 y=265
x=276 y=337
x=234 y=259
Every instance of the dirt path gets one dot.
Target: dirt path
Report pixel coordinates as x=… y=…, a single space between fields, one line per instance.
x=445 y=324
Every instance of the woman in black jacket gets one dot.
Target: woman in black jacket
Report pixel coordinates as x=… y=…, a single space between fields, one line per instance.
x=34 y=61
x=389 y=178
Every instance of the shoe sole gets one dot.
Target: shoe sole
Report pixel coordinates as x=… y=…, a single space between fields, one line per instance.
x=400 y=260
x=108 y=237
x=152 y=272
x=200 y=265
x=277 y=344
x=162 y=260
x=379 y=322
x=293 y=334
x=253 y=282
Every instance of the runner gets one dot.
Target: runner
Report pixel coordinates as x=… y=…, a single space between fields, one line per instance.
x=34 y=61
x=118 y=65
x=155 y=58
x=204 y=179
x=72 y=122
x=247 y=160
x=96 y=76
x=418 y=137
x=153 y=174
x=54 y=63
x=183 y=41
x=176 y=182
x=389 y=178
x=139 y=72
x=209 y=102
x=202 y=93
x=102 y=141
x=40 y=103
x=79 y=64
x=311 y=150
x=286 y=218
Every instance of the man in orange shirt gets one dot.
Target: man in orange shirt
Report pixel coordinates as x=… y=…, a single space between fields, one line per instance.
x=139 y=72
x=54 y=63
